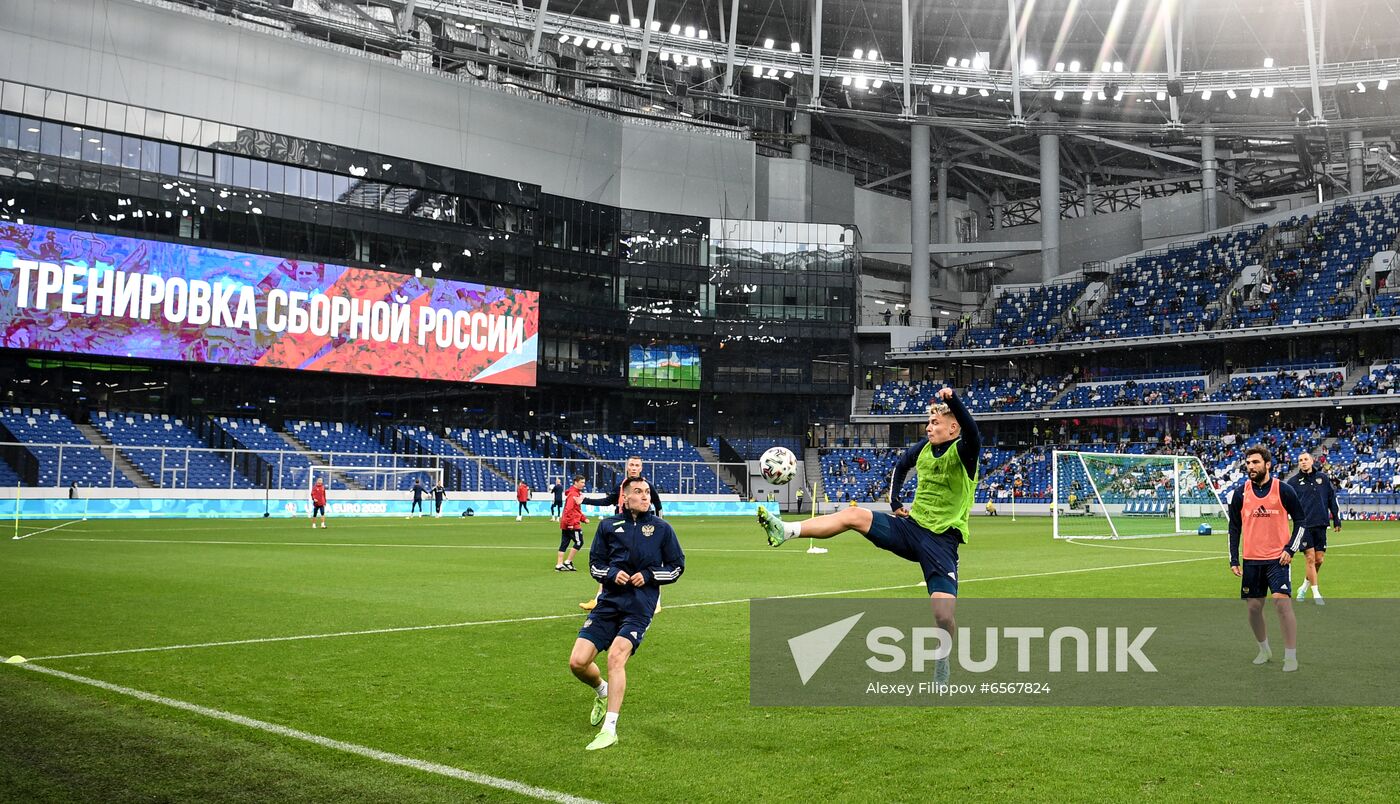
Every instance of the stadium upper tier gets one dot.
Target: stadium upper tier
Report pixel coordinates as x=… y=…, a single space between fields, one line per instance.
x=900 y=398
x=1298 y=270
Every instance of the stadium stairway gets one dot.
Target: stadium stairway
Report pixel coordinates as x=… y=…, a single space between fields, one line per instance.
x=485 y=460
x=312 y=455
x=861 y=401
x=721 y=470
x=1355 y=375
x=125 y=466
x=1054 y=400
x=812 y=468
x=590 y=454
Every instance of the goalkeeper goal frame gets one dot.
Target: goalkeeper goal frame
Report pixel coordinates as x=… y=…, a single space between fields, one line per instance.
x=1109 y=510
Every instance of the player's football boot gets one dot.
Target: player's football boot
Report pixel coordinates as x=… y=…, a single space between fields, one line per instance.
x=605 y=739
x=773 y=526
x=600 y=708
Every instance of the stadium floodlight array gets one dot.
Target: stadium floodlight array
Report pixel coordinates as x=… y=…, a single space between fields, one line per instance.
x=372 y=478
x=1109 y=495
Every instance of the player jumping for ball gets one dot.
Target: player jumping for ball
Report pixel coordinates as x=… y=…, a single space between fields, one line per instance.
x=928 y=532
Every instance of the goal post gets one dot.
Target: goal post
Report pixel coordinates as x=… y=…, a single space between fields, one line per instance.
x=1111 y=495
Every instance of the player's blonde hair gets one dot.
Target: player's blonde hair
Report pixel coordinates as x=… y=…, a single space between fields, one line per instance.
x=939 y=409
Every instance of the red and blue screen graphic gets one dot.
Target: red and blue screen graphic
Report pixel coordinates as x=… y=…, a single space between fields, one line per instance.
x=78 y=292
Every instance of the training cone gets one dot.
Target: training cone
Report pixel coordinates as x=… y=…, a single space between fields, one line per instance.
x=16 y=660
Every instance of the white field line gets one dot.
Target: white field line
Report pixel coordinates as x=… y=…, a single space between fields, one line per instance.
x=543 y=548
x=46 y=530
x=1223 y=553
x=1093 y=543
x=482 y=779
x=545 y=617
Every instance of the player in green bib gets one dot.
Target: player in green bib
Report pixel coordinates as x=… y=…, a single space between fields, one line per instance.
x=929 y=531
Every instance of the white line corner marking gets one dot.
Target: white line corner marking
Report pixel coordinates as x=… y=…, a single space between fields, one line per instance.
x=541 y=793
x=811 y=650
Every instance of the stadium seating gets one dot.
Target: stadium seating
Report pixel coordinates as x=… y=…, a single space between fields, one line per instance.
x=1281 y=385
x=1026 y=316
x=1132 y=392
x=8 y=476
x=899 y=397
x=292 y=468
x=1312 y=277
x=503 y=448
x=339 y=443
x=1171 y=292
x=1366 y=466
x=655 y=452
x=83 y=464
x=1386 y=304
x=168 y=452
x=862 y=475
x=935 y=341
x=465 y=472
x=1381 y=380
x=751 y=449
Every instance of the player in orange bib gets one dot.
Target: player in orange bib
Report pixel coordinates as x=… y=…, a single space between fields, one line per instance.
x=1259 y=514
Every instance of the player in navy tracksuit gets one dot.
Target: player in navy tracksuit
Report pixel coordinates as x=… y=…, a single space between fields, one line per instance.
x=633 y=468
x=1318 y=497
x=633 y=554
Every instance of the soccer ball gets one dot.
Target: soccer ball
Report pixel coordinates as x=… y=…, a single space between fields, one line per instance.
x=778 y=465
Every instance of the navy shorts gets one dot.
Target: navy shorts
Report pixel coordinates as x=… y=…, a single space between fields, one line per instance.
x=936 y=553
x=570 y=537
x=317 y=510
x=605 y=623
x=1263 y=577
x=1314 y=539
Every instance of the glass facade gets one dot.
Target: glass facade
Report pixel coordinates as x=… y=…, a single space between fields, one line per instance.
x=767 y=306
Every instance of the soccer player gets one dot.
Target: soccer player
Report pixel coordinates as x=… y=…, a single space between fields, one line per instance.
x=318 y=502
x=633 y=554
x=631 y=469
x=1318 y=497
x=928 y=532
x=439 y=494
x=417 y=500
x=1258 y=512
x=570 y=534
x=556 y=508
x=522 y=496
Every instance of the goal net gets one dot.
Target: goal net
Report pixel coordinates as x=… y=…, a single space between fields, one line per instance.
x=368 y=478
x=1105 y=495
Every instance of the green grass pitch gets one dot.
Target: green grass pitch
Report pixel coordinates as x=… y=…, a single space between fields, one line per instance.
x=496 y=697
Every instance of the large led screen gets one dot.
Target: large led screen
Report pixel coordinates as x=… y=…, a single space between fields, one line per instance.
x=664 y=366
x=93 y=294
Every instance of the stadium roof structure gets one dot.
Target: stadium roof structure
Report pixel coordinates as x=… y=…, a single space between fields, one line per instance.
x=1131 y=85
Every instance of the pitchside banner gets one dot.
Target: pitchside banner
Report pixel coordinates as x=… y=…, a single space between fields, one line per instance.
x=1069 y=653
x=85 y=293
